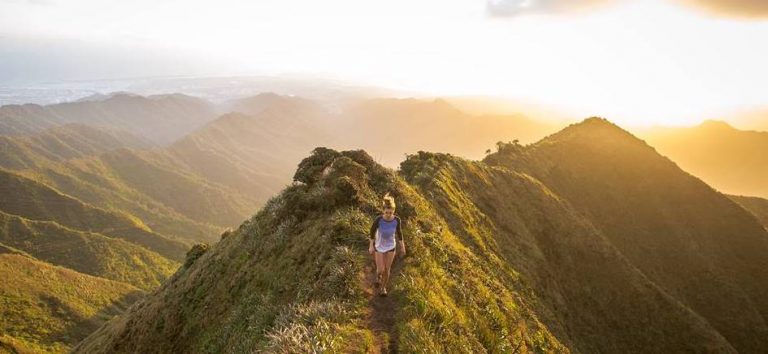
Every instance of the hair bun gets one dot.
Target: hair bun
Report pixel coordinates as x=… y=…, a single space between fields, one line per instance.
x=388 y=201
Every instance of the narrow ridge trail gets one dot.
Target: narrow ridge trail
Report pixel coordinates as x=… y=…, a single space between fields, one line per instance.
x=382 y=309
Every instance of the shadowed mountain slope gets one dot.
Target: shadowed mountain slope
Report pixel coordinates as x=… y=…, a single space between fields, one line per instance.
x=588 y=293
x=695 y=243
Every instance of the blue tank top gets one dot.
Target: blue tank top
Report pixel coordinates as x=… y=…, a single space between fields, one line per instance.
x=386 y=233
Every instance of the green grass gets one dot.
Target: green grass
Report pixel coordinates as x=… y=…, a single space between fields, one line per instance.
x=44 y=308
x=88 y=253
x=585 y=242
x=36 y=201
x=292 y=277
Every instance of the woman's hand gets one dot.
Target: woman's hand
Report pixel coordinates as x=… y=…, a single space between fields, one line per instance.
x=402 y=249
x=370 y=249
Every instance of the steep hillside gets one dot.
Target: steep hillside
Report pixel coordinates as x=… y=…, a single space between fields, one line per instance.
x=695 y=243
x=731 y=160
x=497 y=261
x=244 y=295
x=86 y=252
x=255 y=154
x=105 y=169
x=61 y=143
x=35 y=201
x=49 y=309
x=592 y=298
x=162 y=178
x=162 y=118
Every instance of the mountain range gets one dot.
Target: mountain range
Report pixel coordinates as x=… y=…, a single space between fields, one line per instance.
x=120 y=186
x=586 y=241
x=595 y=242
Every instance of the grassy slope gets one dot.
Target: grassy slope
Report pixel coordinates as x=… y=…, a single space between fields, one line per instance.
x=35 y=201
x=496 y=260
x=245 y=153
x=49 y=308
x=61 y=143
x=88 y=253
x=318 y=230
x=176 y=187
x=92 y=165
x=591 y=297
x=81 y=179
x=699 y=246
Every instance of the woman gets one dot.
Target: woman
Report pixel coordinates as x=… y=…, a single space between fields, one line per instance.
x=386 y=233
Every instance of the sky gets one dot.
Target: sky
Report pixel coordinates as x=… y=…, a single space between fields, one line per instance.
x=674 y=62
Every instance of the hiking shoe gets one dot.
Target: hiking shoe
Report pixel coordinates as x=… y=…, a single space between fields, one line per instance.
x=383 y=292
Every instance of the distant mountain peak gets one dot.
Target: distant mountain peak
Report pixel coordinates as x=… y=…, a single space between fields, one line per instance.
x=592 y=129
x=595 y=123
x=96 y=97
x=715 y=124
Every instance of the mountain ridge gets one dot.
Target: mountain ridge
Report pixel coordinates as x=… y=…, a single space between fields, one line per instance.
x=542 y=220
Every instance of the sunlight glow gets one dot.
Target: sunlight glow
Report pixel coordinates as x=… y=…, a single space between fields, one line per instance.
x=639 y=62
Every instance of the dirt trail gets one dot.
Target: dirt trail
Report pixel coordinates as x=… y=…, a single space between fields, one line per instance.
x=381 y=318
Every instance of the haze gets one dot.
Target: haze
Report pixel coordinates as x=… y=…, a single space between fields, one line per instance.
x=636 y=62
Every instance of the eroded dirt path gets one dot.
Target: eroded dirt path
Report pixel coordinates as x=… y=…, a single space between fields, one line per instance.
x=381 y=318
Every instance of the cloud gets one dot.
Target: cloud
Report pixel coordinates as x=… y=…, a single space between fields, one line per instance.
x=731 y=8
x=722 y=8
x=511 y=8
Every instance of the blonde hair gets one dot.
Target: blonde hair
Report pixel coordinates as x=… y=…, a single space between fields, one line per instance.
x=388 y=201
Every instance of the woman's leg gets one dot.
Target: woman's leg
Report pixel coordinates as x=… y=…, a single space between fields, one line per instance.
x=379 y=258
x=388 y=258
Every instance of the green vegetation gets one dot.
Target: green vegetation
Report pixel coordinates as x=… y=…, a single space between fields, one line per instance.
x=587 y=241
x=317 y=229
x=45 y=308
x=110 y=170
x=36 y=201
x=88 y=253
x=691 y=241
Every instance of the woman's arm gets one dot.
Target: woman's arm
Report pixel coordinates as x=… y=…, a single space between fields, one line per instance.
x=372 y=235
